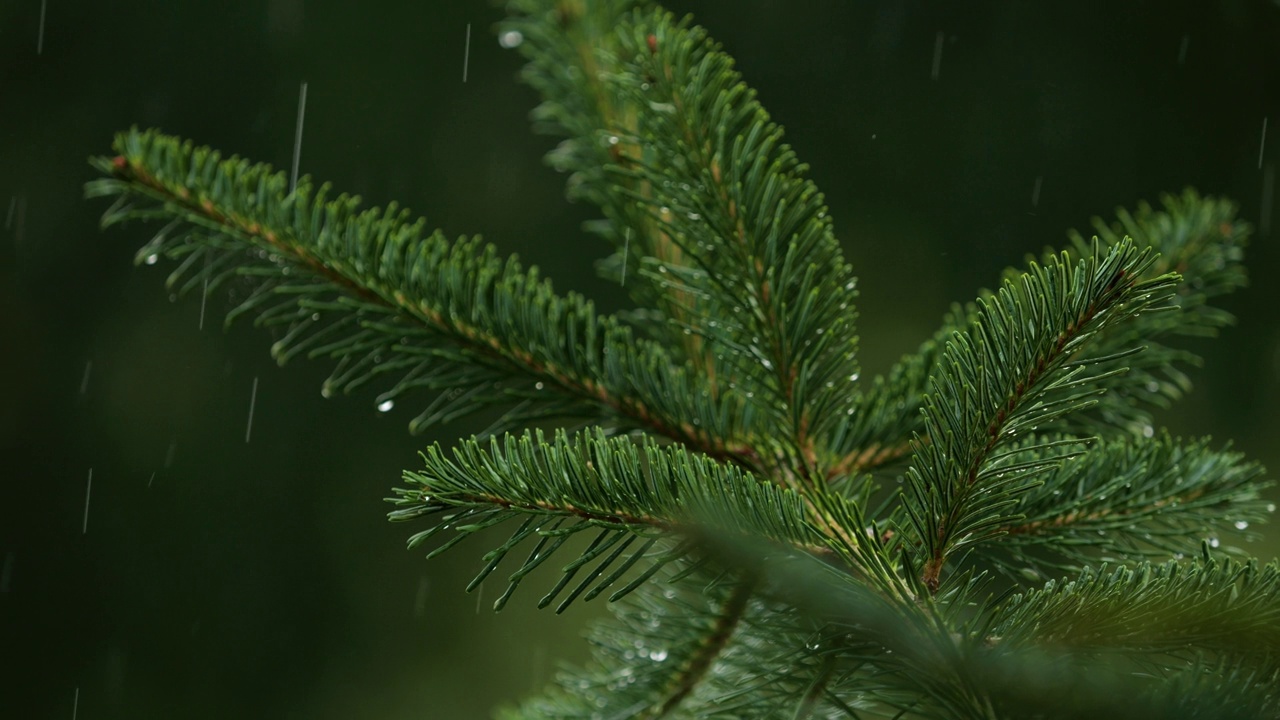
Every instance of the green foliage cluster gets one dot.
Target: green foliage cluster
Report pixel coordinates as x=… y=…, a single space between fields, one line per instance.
x=994 y=528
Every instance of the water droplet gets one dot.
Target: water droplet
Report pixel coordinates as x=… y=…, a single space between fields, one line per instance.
x=1153 y=386
x=1271 y=507
x=1242 y=524
x=386 y=405
x=315 y=317
x=658 y=655
x=853 y=377
x=510 y=39
x=1148 y=431
x=1214 y=542
x=151 y=259
x=694 y=216
x=538 y=385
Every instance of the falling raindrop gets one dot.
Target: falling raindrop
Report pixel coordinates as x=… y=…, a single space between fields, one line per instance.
x=87 y=489
x=40 y=51
x=253 y=399
x=466 y=54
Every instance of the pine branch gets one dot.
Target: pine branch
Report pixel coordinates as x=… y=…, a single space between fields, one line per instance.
x=375 y=291
x=685 y=625
x=1201 y=240
x=573 y=50
x=1130 y=500
x=1018 y=367
x=1217 y=606
x=676 y=149
x=773 y=292
x=1197 y=237
x=591 y=482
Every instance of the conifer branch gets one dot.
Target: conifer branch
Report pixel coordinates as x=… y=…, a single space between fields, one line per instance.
x=441 y=314
x=1018 y=367
x=1197 y=237
x=598 y=483
x=572 y=59
x=775 y=294
x=1218 y=606
x=1122 y=499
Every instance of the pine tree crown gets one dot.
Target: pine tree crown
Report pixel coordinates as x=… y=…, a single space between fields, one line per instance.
x=993 y=528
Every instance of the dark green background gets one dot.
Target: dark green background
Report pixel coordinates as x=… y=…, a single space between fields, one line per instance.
x=220 y=579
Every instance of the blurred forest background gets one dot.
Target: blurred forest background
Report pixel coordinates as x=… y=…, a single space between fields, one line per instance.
x=261 y=580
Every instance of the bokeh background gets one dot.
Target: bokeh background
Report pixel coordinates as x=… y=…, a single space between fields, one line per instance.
x=219 y=578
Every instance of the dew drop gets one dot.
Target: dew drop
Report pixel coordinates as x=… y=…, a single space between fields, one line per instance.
x=538 y=385
x=853 y=377
x=511 y=39
x=1242 y=524
x=151 y=259
x=1148 y=431
x=386 y=405
x=1214 y=542
x=658 y=655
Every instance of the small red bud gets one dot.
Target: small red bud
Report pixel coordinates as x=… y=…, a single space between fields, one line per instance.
x=653 y=44
x=118 y=162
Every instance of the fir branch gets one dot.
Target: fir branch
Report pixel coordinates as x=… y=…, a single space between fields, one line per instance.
x=1198 y=237
x=599 y=483
x=1130 y=500
x=573 y=50
x=1019 y=366
x=713 y=644
x=443 y=315
x=684 y=624
x=1219 y=606
x=774 y=293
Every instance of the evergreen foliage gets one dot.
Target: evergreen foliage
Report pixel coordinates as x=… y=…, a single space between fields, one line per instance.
x=985 y=531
